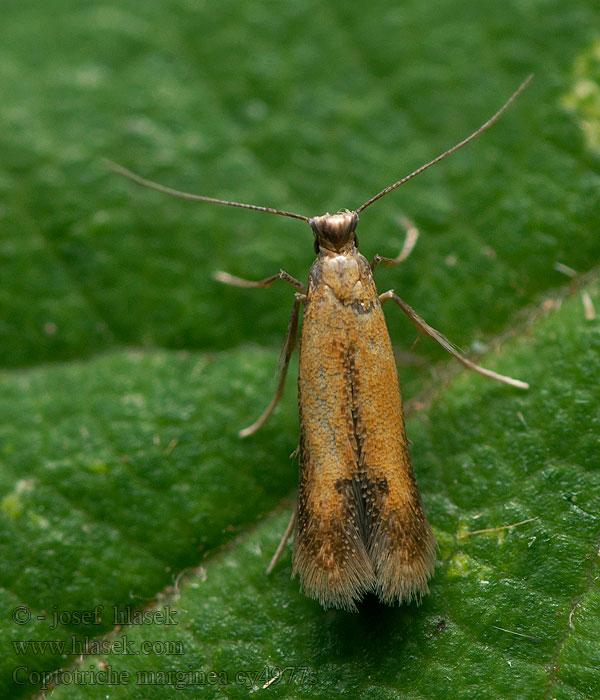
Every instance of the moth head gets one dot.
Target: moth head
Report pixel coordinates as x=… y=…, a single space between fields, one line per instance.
x=335 y=231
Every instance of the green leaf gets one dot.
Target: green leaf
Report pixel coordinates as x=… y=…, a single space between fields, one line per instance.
x=511 y=485
x=127 y=370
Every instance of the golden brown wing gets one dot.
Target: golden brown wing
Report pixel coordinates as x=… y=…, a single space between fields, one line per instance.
x=400 y=542
x=360 y=522
x=330 y=552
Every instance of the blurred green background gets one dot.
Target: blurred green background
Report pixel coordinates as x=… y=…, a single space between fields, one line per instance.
x=307 y=106
x=127 y=370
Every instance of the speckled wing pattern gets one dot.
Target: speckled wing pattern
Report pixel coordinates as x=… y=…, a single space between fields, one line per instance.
x=360 y=523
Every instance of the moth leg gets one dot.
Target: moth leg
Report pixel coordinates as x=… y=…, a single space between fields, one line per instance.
x=410 y=241
x=226 y=278
x=289 y=344
x=425 y=329
x=286 y=536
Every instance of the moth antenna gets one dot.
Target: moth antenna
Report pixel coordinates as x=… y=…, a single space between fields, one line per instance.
x=474 y=135
x=120 y=170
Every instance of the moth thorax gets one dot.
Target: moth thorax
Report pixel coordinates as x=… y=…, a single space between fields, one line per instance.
x=335 y=231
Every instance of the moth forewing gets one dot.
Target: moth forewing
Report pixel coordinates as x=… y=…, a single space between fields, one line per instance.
x=330 y=551
x=400 y=541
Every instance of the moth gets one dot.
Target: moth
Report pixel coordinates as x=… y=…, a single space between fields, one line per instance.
x=359 y=523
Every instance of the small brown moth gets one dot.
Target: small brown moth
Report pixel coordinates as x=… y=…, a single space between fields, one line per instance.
x=359 y=524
